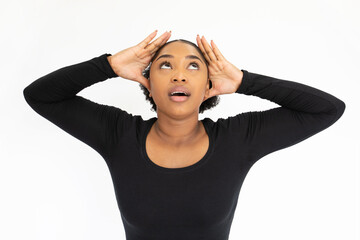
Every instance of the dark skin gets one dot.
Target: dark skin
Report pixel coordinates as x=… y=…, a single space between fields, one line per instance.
x=177 y=125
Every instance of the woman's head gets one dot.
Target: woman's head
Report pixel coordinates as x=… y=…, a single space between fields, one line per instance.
x=165 y=72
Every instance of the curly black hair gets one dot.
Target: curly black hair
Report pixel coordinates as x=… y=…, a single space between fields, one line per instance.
x=207 y=104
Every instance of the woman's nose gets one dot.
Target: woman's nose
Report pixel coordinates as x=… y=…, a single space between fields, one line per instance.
x=179 y=76
x=178 y=79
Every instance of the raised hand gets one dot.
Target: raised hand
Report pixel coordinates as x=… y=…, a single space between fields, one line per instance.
x=130 y=63
x=224 y=76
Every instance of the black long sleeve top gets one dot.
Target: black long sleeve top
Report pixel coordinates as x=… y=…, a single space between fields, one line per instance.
x=193 y=202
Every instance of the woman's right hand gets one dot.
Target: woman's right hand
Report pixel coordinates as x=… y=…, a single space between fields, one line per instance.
x=131 y=62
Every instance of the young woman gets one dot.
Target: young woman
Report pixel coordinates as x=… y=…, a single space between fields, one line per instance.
x=176 y=177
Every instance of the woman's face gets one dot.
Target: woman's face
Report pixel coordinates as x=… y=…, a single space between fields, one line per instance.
x=168 y=72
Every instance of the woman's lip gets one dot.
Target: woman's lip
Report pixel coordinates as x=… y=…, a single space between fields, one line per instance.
x=179 y=98
x=179 y=89
x=188 y=94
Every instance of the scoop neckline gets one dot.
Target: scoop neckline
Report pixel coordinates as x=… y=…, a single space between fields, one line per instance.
x=196 y=165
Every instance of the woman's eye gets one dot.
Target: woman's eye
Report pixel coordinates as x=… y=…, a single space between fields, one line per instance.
x=168 y=64
x=194 y=64
x=164 y=63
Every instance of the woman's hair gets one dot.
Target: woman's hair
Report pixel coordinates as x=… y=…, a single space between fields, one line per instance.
x=207 y=104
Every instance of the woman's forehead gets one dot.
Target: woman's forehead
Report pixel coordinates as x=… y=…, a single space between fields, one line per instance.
x=179 y=48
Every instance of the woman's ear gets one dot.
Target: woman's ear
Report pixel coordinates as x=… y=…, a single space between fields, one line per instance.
x=207 y=90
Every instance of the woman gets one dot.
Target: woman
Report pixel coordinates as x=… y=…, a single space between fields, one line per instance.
x=176 y=177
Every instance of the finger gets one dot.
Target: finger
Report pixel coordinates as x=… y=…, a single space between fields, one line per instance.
x=208 y=49
x=155 y=45
x=200 y=45
x=146 y=41
x=217 y=51
x=202 y=48
x=161 y=44
x=153 y=52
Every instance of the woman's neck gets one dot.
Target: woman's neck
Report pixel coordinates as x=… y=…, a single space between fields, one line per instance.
x=177 y=132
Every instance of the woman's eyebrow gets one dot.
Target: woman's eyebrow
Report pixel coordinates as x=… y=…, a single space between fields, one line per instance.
x=171 y=56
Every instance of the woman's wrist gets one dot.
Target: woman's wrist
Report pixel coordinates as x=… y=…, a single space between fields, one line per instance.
x=109 y=60
x=239 y=80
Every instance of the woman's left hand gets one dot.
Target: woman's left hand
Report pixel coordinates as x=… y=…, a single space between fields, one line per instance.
x=224 y=76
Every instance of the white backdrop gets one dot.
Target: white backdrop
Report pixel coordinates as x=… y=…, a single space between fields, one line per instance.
x=53 y=186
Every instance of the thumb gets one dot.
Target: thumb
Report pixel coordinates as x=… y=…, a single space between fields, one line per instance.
x=145 y=82
x=208 y=94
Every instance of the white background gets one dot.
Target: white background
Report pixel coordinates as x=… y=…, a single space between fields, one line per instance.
x=53 y=186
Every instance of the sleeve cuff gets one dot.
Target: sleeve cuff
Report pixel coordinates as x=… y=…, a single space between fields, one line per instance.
x=245 y=82
x=107 y=67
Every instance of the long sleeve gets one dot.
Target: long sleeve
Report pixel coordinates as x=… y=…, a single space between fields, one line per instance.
x=304 y=112
x=53 y=96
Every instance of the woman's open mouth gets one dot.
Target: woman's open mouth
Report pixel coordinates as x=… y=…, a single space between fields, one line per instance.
x=179 y=96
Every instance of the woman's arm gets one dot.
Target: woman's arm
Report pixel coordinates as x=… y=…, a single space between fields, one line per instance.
x=53 y=96
x=304 y=112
